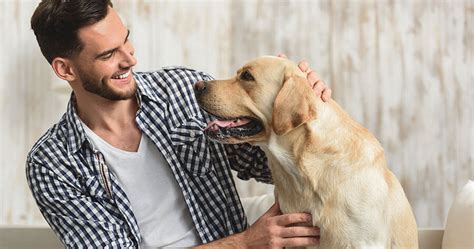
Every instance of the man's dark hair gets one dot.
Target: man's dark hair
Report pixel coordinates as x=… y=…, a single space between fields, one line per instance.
x=56 y=24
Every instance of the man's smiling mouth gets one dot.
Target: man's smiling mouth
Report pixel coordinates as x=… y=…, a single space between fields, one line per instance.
x=122 y=76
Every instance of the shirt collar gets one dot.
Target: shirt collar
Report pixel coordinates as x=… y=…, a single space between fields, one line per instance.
x=144 y=89
x=75 y=133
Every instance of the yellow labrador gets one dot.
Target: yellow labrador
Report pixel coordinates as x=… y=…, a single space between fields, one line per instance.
x=322 y=161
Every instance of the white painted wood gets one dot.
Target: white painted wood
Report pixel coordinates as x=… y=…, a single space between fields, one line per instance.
x=28 y=108
x=404 y=69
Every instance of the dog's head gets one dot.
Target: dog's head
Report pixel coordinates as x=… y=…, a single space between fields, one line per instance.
x=267 y=94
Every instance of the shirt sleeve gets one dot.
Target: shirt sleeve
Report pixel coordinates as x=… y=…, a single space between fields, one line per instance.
x=249 y=162
x=79 y=220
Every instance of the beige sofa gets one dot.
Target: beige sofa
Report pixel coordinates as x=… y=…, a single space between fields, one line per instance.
x=18 y=237
x=459 y=226
x=43 y=238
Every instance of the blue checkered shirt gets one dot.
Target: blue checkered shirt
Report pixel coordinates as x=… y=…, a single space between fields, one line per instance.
x=83 y=201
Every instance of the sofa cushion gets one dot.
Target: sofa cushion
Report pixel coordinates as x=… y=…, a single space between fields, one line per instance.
x=459 y=229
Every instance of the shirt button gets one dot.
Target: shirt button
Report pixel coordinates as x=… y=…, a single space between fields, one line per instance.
x=192 y=134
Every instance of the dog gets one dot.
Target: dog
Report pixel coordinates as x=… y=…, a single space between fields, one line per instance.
x=322 y=161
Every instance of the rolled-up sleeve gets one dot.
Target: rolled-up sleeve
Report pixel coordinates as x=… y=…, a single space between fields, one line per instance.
x=249 y=162
x=79 y=220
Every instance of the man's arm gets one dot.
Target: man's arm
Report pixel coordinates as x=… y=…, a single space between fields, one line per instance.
x=77 y=219
x=272 y=230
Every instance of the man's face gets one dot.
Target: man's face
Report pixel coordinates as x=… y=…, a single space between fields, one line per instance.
x=104 y=66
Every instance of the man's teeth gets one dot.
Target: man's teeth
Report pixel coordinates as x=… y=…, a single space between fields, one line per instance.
x=122 y=76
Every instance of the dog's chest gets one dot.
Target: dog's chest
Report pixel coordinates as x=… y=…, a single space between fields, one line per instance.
x=347 y=217
x=294 y=191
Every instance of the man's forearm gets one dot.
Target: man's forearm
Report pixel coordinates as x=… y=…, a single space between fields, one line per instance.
x=233 y=241
x=272 y=230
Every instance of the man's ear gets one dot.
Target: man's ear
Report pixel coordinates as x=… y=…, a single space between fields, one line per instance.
x=63 y=69
x=292 y=106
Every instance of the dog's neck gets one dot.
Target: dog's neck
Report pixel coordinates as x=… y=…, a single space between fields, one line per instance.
x=332 y=133
x=292 y=185
x=302 y=161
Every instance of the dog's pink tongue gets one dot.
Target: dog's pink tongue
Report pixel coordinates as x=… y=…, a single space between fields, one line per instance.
x=214 y=125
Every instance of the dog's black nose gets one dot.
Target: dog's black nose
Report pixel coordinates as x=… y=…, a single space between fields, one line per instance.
x=200 y=87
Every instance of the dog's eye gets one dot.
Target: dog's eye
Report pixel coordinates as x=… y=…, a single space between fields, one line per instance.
x=246 y=76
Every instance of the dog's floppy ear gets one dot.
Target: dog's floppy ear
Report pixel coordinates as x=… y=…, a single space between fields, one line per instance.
x=292 y=105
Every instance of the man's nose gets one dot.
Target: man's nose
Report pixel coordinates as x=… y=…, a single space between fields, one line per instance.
x=200 y=87
x=128 y=59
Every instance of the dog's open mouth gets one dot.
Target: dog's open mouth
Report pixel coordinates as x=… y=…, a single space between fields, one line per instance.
x=241 y=127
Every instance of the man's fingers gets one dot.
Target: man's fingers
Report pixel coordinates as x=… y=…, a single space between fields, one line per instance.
x=313 y=78
x=319 y=87
x=315 y=82
x=288 y=219
x=304 y=66
x=327 y=94
x=300 y=241
x=299 y=231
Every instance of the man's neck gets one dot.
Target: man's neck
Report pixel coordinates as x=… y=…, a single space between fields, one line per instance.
x=103 y=114
x=113 y=121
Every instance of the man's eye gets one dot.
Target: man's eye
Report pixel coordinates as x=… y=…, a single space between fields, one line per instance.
x=246 y=76
x=108 y=56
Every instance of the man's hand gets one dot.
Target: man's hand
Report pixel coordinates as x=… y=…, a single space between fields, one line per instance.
x=318 y=86
x=276 y=230
x=272 y=230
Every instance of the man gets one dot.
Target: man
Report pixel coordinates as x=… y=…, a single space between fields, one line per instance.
x=128 y=164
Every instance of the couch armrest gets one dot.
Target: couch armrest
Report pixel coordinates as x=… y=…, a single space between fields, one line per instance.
x=27 y=237
x=430 y=238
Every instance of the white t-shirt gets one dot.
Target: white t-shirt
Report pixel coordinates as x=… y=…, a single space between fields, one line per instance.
x=156 y=199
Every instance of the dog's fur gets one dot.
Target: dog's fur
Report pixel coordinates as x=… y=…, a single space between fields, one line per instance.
x=322 y=161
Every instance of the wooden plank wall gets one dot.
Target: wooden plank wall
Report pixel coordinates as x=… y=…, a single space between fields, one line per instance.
x=404 y=69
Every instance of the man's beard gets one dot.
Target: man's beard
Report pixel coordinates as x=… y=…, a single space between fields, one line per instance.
x=101 y=88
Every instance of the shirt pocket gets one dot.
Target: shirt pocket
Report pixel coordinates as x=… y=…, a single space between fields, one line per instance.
x=191 y=146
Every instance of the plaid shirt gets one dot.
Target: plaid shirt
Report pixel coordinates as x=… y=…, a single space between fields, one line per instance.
x=83 y=201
